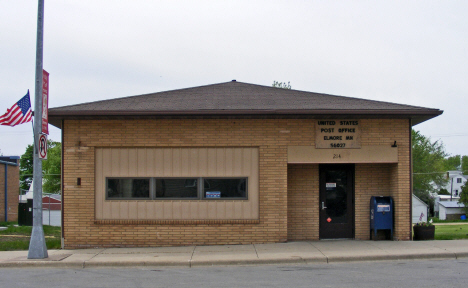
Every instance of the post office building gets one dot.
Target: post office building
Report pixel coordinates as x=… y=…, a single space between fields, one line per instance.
x=232 y=163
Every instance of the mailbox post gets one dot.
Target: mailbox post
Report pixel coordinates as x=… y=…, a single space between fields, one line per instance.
x=381 y=215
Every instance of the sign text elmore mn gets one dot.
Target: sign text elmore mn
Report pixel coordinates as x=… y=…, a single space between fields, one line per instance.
x=337 y=134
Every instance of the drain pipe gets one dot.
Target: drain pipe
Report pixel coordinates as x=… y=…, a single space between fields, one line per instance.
x=6 y=185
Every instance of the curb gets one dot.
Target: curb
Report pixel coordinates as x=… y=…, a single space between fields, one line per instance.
x=190 y=264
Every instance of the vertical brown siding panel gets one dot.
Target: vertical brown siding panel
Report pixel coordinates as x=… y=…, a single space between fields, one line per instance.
x=158 y=161
x=141 y=163
x=124 y=209
x=211 y=162
x=115 y=210
x=220 y=162
x=203 y=164
x=142 y=208
x=150 y=169
x=194 y=160
x=211 y=210
x=228 y=162
x=185 y=162
x=176 y=210
x=167 y=213
x=237 y=163
x=158 y=209
x=167 y=155
x=132 y=162
x=230 y=210
x=116 y=163
x=186 y=210
x=203 y=210
x=176 y=162
x=132 y=210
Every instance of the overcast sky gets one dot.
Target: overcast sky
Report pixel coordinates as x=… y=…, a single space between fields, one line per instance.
x=408 y=52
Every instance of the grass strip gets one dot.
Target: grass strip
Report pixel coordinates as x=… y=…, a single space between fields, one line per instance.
x=18 y=237
x=451 y=232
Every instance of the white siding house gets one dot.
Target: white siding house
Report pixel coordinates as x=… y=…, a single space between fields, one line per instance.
x=456 y=180
x=420 y=210
x=450 y=210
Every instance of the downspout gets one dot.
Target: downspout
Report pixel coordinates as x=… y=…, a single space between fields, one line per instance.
x=62 y=186
x=6 y=192
x=411 y=179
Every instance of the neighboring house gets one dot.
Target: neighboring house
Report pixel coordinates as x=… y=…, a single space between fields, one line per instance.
x=442 y=198
x=420 y=210
x=52 y=202
x=232 y=163
x=456 y=180
x=450 y=210
x=9 y=187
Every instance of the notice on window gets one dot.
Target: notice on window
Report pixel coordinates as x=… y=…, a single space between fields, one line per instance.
x=213 y=194
x=337 y=134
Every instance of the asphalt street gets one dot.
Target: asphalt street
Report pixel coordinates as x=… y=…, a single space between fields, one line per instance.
x=414 y=273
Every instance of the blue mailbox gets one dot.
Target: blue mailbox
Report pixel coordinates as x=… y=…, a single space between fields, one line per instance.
x=381 y=215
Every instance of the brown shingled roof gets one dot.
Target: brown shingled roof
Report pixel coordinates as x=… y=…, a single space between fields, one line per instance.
x=241 y=99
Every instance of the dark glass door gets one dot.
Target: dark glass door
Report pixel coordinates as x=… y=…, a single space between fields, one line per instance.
x=336 y=201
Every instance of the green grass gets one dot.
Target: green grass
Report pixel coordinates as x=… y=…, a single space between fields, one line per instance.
x=436 y=220
x=451 y=232
x=22 y=243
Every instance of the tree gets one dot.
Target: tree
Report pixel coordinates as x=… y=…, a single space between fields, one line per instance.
x=51 y=168
x=464 y=165
x=26 y=168
x=443 y=191
x=457 y=162
x=452 y=163
x=429 y=165
x=464 y=197
x=281 y=85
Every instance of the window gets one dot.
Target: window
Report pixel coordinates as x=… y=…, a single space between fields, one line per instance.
x=196 y=188
x=176 y=188
x=215 y=188
x=128 y=188
x=459 y=180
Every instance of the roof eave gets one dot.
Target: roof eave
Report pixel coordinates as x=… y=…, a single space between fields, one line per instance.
x=417 y=117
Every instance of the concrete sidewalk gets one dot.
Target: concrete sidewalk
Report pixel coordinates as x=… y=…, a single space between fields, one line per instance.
x=325 y=251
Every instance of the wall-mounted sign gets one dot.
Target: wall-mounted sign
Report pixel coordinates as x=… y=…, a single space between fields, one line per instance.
x=337 y=134
x=42 y=146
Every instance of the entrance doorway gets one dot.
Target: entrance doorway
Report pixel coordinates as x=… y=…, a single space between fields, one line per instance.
x=336 y=201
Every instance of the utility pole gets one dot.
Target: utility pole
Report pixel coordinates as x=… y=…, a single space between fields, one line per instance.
x=37 y=245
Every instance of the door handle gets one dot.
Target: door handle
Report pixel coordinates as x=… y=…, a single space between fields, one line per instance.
x=323 y=206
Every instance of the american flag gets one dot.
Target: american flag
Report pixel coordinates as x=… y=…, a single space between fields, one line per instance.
x=19 y=113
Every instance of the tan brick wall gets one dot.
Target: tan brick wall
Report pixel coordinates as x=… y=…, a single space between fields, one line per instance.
x=303 y=202
x=13 y=192
x=272 y=136
x=370 y=180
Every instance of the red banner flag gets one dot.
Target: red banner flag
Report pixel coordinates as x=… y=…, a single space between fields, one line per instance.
x=45 y=102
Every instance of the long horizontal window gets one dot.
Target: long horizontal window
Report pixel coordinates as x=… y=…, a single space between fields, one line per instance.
x=196 y=188
x=118 y=188
x=177 y=188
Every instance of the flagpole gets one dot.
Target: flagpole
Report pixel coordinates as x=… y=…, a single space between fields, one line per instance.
x=37 y=245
